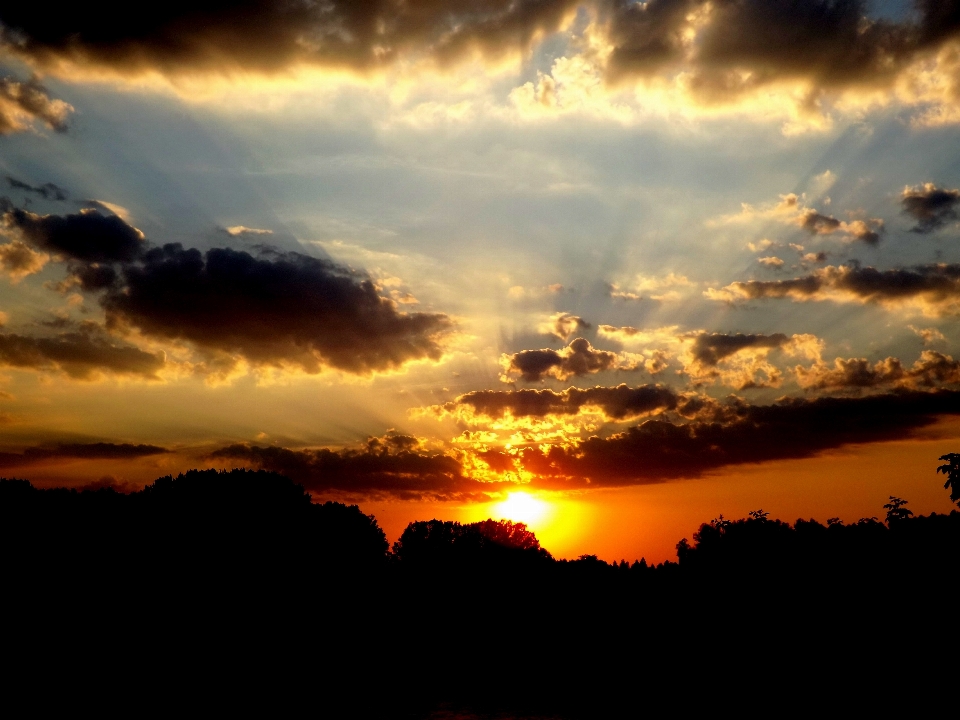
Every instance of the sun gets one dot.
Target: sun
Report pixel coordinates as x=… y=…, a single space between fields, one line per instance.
x=522 y=507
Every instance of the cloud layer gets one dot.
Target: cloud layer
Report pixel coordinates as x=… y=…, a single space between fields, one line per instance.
x=394 y=465
x=934 y=289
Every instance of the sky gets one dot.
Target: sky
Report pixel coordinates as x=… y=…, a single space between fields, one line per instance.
x=609 y=268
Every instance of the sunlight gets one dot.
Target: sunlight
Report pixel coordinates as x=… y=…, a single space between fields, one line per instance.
x=521 y=507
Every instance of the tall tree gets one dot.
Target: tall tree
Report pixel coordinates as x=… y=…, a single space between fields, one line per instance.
x=952 y=471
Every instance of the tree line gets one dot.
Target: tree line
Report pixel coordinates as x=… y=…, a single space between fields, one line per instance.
x=243 y=565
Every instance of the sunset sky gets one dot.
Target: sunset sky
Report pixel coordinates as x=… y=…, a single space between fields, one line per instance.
x=611 y=268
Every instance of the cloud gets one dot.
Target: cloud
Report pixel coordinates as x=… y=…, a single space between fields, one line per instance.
x=933 y=289
x=22 y=104
x=87 y=236
x=740 y=361
x=81 y=355
x=656 y=288
x=771 y=261
x=815 y=223
x=562 y=325
x=928 y=335
x=118 y=210
x=395 y=465
x=277 y=309
x=614 y=403
x=578 y=358
x=760 y=245
x=659 y=450
x=79 y=451
x=724 y=51
x=19 y=260
x=792 y=210
x=930 y=370
x=270 y=35
x=931 y=206
x=711 y=348
x=237 y=230
x=796 y=60
x=48 y=191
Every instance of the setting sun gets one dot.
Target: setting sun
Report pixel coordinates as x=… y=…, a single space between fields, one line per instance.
x=522 y=507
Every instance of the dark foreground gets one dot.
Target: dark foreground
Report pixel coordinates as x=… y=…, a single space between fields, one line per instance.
x=218 y=591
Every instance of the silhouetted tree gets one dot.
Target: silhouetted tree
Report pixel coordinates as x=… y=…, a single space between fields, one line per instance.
x=896 y=510
x=952 y=471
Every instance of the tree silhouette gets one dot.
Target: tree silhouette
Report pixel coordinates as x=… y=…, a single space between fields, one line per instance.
x=896 y=510
x=952 y=471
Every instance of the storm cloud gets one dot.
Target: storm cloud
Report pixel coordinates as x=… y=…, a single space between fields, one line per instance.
x=276 y=309
x=931 y=206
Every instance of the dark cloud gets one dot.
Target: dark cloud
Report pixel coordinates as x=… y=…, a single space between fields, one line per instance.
x=659 y=450
x=394 y=465
x=935 y=287
x=48 y=191
x=616 y=403
x=742 y=45
x=711 y=348
x=931 y=206
x=87 y=236
x=930 y=370
x=280 y=308
x=816 y=223
x=578 y=358
x=79 y=451
x=722 y=48
x=24 y=103
x=81 y=355
x=270 y=35
x=563 y=325
x=719 y=435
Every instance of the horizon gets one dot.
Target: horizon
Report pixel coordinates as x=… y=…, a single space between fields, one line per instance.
x=607 y=268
